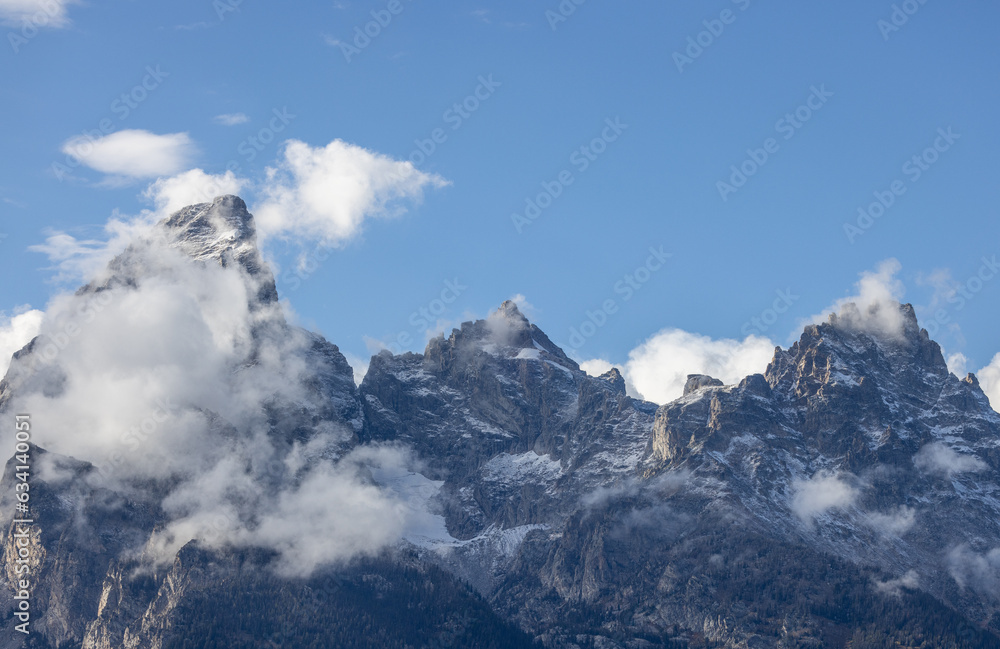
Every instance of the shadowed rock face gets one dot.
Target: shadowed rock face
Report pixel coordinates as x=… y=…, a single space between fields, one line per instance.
x=849 y=494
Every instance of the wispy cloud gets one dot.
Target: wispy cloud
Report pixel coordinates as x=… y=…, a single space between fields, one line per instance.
x=944 y=460
x=231 y=119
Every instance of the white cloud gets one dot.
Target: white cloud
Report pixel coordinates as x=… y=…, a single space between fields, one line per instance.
x=131 y=154
x=894 y=587
x=970 y=569
x=658 y=368
x=894 y=523
x=877 y=303
x=326 y=193
x=232 y=119
x=16 y=332
x=989 y=379
x=958 y=364
x=938 y=458
x=191 y=187
x=596 y=366
x=40 y=13
x=820 y=493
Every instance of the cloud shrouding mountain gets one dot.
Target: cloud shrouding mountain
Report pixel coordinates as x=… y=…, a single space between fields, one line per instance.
x=167 y=380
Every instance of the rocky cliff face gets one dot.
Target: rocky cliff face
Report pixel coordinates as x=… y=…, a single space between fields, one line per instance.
x=848 y=496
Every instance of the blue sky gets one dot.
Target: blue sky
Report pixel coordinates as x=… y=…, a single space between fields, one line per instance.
x=547 y=87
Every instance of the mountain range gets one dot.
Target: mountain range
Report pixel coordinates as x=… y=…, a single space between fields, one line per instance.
x=206 y=474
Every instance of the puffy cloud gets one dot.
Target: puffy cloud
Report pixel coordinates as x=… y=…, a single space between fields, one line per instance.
x=326 y=193
x=16 y=332
x=596 y=366
x=658 y=369
x=958 y=364
x=820 y=493
x=877 y=302
x=232 y=119
x=989 y=379
x=938 y=458
x=41 y=13
x=131 y=154
x=191 y=187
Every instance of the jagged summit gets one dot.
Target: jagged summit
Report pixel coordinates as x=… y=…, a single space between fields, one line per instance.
x=510 y=311
x=615 y=378
x=223 y=231
x=505 y=333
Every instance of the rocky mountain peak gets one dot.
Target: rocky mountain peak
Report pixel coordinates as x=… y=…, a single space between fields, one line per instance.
x=698 y=381
x=210 y=229
x=222 y=231
x=509 y=311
